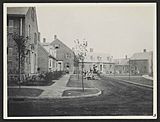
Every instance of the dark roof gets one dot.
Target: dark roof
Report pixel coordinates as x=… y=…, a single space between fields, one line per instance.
x=17 y=10
x=61 y=43
x=122 y=61
x=141 y=55
x=46 y=51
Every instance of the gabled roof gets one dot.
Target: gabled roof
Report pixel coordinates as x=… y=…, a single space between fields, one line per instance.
x=57 y=40
x=97 y=57
x=39 y=44
x=17 y=10
x=141 y=56
x=46 y=51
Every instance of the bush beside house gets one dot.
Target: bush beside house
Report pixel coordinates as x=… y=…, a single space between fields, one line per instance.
x=41 y=79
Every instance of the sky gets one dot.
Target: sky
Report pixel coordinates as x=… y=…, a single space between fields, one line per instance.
x=115 y=29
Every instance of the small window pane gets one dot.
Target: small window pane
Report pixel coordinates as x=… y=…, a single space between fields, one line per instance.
x=10 y=26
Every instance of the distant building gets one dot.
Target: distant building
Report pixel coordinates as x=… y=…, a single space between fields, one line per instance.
x=121 y=66
x=100 y=62
x=64 y=55
x=46 y=58
x=142 y=63
x=22 y=21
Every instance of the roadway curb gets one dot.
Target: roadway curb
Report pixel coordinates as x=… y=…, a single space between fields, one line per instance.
x=134 y=83
x=22 y=98
x=88 y=95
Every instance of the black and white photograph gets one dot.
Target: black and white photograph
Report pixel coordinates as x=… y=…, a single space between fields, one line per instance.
x=79 y=61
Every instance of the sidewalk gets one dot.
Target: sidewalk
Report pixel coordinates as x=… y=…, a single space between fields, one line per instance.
x=147 y=77
x=56 y=90
x=53 y=91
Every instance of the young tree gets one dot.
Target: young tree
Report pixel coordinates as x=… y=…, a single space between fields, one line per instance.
x=21 y=45
x=80 y=51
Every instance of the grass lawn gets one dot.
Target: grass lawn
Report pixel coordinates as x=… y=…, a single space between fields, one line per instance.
x=74 y=82
x=137 y=79
x=32 y=83
x=25 y=92
x=79 y=92
x=37 y=83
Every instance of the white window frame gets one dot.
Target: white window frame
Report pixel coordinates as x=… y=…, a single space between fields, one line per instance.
x=10 y=26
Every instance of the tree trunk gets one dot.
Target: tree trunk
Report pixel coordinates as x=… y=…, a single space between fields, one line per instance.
x=78 y=70
x=82 y=77
x=19 y=68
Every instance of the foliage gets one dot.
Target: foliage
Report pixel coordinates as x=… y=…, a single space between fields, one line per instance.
x=21 y=44
x=53 y=75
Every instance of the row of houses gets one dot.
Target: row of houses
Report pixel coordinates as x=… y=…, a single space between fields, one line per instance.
x=40 y=56
x=140 y=63
x=53 y=55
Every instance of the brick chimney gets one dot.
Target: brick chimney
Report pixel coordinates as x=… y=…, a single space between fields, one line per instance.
x=126 y=56
x=44 y=40
x=91 y=49
x=55 y=37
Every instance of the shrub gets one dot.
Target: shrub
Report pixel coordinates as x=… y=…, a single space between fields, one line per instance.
x=53 y=75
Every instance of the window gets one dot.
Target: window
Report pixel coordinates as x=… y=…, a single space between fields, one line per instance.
x=91 y=57
x=68 y=55
x=99 y=58
x=53 y=63
x=10 y=26
x=67 y=65
x=32 y=14
x=29 y=31
x=100 y=67
x=10 y=50
x=50 y=63
x=35 y=38
x=29 y=58
x=56 y=46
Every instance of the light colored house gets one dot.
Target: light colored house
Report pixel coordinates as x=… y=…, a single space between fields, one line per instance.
x=101 y=62
x=23 y=22
x=142 y=63
x=121 y=66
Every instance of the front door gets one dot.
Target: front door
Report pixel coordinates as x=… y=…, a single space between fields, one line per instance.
x=32 y=62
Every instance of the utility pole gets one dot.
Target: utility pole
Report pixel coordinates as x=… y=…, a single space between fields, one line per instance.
x=114 y=70
x=19 y=67
x=82 y=76
x=129 y=69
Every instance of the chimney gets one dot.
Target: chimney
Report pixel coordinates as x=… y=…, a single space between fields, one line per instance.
x=126 y=56
x=44 y=40
x=55 y=37
x=39 y=35
x=91 y=49
x=144 y=50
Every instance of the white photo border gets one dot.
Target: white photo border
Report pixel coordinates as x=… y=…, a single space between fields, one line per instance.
x=5 y=99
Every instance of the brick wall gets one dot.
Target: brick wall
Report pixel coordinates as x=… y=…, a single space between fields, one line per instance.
x=65 y=54
x=43 y=59
x=12 y=57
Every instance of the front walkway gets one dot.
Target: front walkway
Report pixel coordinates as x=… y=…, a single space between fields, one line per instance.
x=56 y=90
x=53 y=91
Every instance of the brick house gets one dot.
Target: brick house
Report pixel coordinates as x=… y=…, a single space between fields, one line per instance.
x=121 y=66
x=22 y=21
x=64 y=55
x=141 y=63
x=46 y=58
